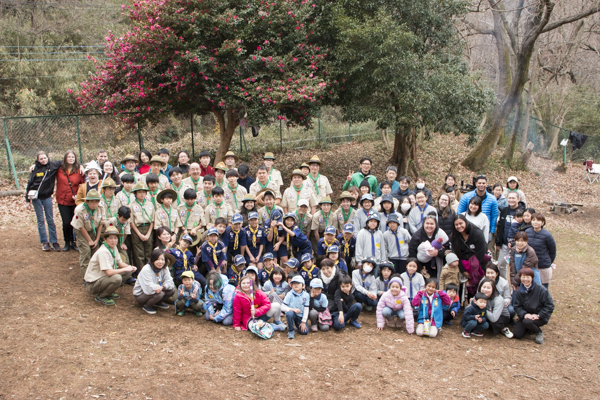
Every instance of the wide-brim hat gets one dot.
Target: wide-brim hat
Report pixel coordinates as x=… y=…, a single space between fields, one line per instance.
x=196 y=240
x=248 y=197
x=314 y=159
x=169 y=259
x=159 y=197
x=231 y=154
x=111 y=230
x=265 y=191
x=221 y=166
x=346 y=195
x=326 y=200
x=92 y=165
x=92 y=195
x=297 y=172
x=139 y=186
x=157 y=159
x=130 y=157
x=108 y=183
x=269 y=156
x=304 y=165
x=387 y=197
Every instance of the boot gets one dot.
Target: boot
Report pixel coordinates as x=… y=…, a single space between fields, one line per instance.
x=74 y=246
x=67 y=246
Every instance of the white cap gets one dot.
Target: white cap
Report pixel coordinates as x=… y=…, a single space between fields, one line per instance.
x=303 y=202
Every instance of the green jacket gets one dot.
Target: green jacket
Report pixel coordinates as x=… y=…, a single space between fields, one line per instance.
x=357 y=178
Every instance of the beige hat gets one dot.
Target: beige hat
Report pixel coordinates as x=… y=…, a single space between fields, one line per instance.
x=157 y=159
x=108 y=183
x=159 y=197
x=92 y=195
x=231 y=154
x=269 y=156
x=129 y=157
x=346 y=195
x=111 y=230
x=221 y=166
x=314 y=159
x=298 y=173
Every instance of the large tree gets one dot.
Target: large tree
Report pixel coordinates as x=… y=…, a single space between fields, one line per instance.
x=252 y=60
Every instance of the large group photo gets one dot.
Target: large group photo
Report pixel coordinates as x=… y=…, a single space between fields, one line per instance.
x=288 y=199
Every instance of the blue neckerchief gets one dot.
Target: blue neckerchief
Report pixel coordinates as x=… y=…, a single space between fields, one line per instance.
x=385 y=285
x=372 y=242
x=397 y=244
x=410 y=284
x=363 y=277
x=422 y=211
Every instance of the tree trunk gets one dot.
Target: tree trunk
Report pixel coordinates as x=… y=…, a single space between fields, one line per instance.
x=525 y=136
x=414 y=158
x=402 y=150
x=509 y=151
x=226 y=129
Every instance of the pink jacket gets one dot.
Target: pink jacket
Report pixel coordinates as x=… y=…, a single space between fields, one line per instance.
x=396 y=303
x=241 y=307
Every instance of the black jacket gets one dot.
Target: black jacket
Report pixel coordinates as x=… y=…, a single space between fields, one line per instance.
x=334 y=285
x=501 y=232
x=341 y=302
x=474 y=245
x=536 y=300
x=446 y=224
x=544 y=245
x=40 y=172
x=427 y=194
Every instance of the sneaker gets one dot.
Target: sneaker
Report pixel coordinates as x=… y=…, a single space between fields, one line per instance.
x=278 y=323
x=539 y=338
x=466 y=335
x=56 y=247
x=199 y=313
x=162 y=305
x=475 y=333
x=114 y=296
x=448 y=323
x=74 y=246
x=368 y=308
x=67 y=247
x=46 y=247
x=149 y=310
x=130 y=281
x=314 y=328
x=105 y=300
x=356 y=324
x=291 y=334
x=181 y=313
x=507 y=333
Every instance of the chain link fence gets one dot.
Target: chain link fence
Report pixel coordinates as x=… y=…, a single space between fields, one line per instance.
x=85 y=134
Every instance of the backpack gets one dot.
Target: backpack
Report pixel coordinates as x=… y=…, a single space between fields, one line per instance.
x=260 y=328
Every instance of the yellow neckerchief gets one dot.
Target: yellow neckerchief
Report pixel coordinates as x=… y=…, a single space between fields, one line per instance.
x=233 y=191
x=254 y=232
x=346 y=248
x=275 y=234
x=214 y=252
x=238 y=274
x=328 y=244
x=309 y=271
x=195 y=182
x=315 y=181
x=287 y=241
x=143 y=210
x=185 y=259
x=168 y=215
x=267 y=271
x=236 y=240
x=92 y=217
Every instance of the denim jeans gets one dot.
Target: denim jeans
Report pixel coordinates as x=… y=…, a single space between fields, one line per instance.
x=294 y=319
x=352 y=314
x=389 y=313
x=44 y=207
x=361 y=298
x=476 y=326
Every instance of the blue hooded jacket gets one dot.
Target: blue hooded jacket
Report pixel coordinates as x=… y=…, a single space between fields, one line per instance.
x=489 y=207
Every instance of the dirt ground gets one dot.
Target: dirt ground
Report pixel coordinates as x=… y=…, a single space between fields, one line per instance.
x=56 y=342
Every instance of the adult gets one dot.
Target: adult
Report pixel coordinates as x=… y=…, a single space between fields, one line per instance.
x=183 y=161
x=506 y=219
x=429 y=232
x=263 y=182
x=330 y=275
x=403 y=189
x=477 y=218
x=445 y=213
x=317 y=182
x=109 y=171
x=156 y=163
x=498 y=192
x=39 y=194
x=205 y=168
x=195 y=180
x=497 y=313
x=512 y=186
x=296 y=192
x=144 y=164
x=489 y=205
x=522 y=255
x=218 y=298
x=164 y=155
x=101 y=156
x=154 y=284
x=450 y=183
x=391 y=173
x=68 y=179
x=129 y=164
x=544 y=245
x=92 y=173
x=534 y=306
x=469 y=245
x=419 y=212
x=355 y=178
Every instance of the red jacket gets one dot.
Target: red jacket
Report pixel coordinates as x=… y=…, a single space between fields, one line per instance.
x=64 y=196
x=206 y=171
x=241 y=307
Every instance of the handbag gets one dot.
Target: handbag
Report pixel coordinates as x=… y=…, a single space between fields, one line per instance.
x=260 y=328
x=426 y=327
x=33 y=194
x=325 y=317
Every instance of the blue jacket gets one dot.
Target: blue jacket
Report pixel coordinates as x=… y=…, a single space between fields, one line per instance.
x=221 y=299
x=489 y=207
x=308 y=276
x=260 y=239
x=455 y=306
x=544 y=245
x=322 y=247
x=183 y=261
x=470 y=312
x=395 y=186
x=206 y=254
x=229 y=240
x=351 y=247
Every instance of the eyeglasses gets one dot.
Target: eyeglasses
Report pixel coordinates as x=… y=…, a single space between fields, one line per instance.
x=365 y=163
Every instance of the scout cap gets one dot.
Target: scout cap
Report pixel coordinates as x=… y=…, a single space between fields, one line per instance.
x=111 y=230
x=159 y=197
x=306 y=257
x=269 y=156
x=316 y=283
x=92 y=195
x=326 y=200
x=298 y=279
x=188 y=238
x=293 y=263
x=129 y=157
x=239 y=260
x=297 y=172
x=139 y=186
x=237 y=219
x=212 y=231
x=346 y=195
x=252 y=215
x=157 y=159
x=108 y=183
x=188 y=274
x=330 y=230
x=314 y=160
x=231 y=154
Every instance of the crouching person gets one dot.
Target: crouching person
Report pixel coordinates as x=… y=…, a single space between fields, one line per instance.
x=154 y=284
x=189 y=295
x=218 y=298
x=106 y=271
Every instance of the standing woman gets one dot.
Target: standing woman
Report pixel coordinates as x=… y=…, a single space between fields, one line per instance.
x=477 y=218
x=469 y=245
x=544 y=245
x=109 y=171
x=446 y=215
x=39 y=193
x=68 y=179
x=144 y=165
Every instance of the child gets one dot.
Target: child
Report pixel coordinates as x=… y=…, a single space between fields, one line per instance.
x=129 y=163
x=166 y=215
x=526 y=224
x=394 y=303
x=296 y=305
x=474 y=320
x=156 y=164
x=290 y=266
x=386 y=269
x=326 y=241
x=188 y=296
x=296 y=242
x=369 y=239
x=360 y=218
x=245 y=180
x=235 y=238
x=296 y=192
x=268 y=197
x=234 y=192
x=248 y=206
x=386 y=188
x=522 y=256
x=345 y=214
x=363 y=280
x=247 y=295
x=515 y=224
x=305 y=169
x=420 y=187
x=419 y=212
x=396 y=240
x=404 y=210
x=230 y=160
x=304 y=217
x=430 y=304
x=184 y=260
x=322 y=218
x=355 y=193
x=450 y=273
x=275 y=287
x=205 y=196
x=220 y=171
x=318 y=314
x=412 y=280
x=271 y=228
x=123 y=226
x=218 y=299
x=344 y=310
x=221 y=225
x=109 y=204
x=237 y=270
x=255 y=237
x=153 y=188
x=309 y=271
x=125 y=197
x=86 y=223
x=218 y=208
x=347 y=244
x=333 y=254
x=386 y=209
x=267 y=267
x=213 y=252
x=191 y=214
x=451 y=310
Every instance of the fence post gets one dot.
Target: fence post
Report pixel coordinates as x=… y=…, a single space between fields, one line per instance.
x=349 y=131
x=192 y=130
x=280 y=136
x=11 y=163
x=141 y=142
x=322 y=135
x=78 y=137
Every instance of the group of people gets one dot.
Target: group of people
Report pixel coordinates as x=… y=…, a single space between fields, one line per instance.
x=216 y=242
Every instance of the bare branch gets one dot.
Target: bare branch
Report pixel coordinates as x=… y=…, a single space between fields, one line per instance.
x=572 y=18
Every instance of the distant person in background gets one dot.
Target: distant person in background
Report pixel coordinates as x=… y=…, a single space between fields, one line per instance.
x=164 y=155
x=205 y=168
x=109 y=171
x=101 y=156
x=68 y=179
x=183 y=161
x=144 y=165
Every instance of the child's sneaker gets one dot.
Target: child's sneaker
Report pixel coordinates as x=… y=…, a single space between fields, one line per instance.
x=199 y=313
x=114 y=296
x=162 y=305
x=149 y=310
x=478 y=334
x=507 y=333
x=291 y=334
x=368 y=308
x=107 y=301
x=130 y=281
x=466 y=335
x=181 y=313
x=355 y=324
x=46 y=247
x=314 y=328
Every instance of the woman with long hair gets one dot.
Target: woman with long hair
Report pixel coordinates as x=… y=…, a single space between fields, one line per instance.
x=68 y=179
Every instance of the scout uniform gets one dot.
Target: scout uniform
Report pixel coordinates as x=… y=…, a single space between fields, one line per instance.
x=341 y=217
x=203 y=199
x=180 y=191
x=221 y=167
x=293 y=195
x=319 y=184
x=163 y=181
x=323 y=244
x=235 y=195
x=255 y=239
x=264 y=213
x=124 y=230
x=234 y=241
x=191 y=218
x=110 y=207
x=136 y=175
x=214 y=211
x=192 y=183
x=258 y=187
x=304 y=221
x=96 y=280
x=213 y=255
x=274 y=174
x=231 y=154
x=90 y=220
x=142 y=216
x=320 y=220
x=184 y=261
x=124 y=198
x=347 y=247
x=168 y=218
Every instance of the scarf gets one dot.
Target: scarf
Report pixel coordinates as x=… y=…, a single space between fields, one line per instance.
x=325 y=218
x=373 y=242
x=346 y=218
x=236 y=239
x=92 y=217
x=254 y=232
x=189 y=212
x=315 y=182
x=168 y=216
x=327 y=280
x=143 y=210
x=233 y=191
x=300 y=220
x=386 y=283
x=214 y=252
x=177 y=189
x=108 y=204
x=297 y=193
x=421 y=211
x=112 y=253
x=185 y=258
x=346 y=248
x=397 y=244
x=195 y=182
x=265 y=185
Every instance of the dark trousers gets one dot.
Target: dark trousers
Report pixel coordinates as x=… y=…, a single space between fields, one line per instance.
x=447 y=316
x=66 y=215
x=473 y=325
x=500 y=324
x=352 y=314
x=525 y=325
x=150 y=300
x=361 y=298
x=399 y=265
x=295 y=320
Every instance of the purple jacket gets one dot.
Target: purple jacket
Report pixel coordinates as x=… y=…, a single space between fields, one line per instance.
x=396 y=303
